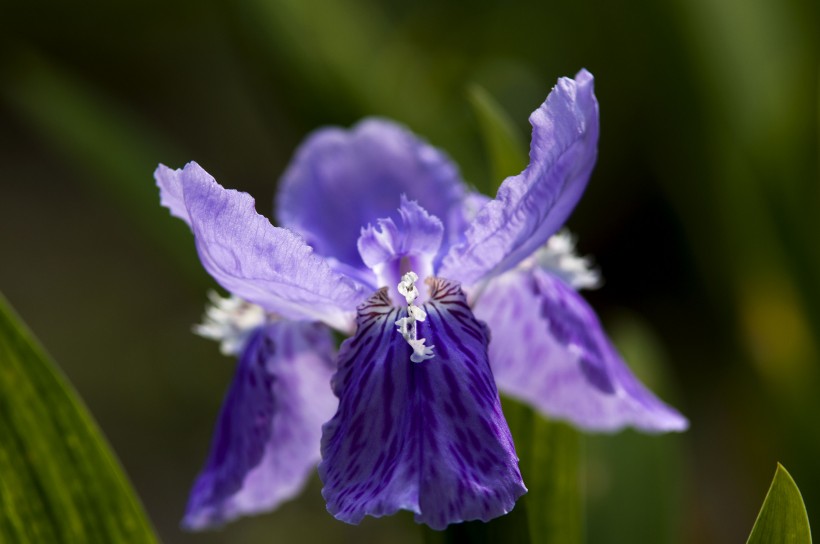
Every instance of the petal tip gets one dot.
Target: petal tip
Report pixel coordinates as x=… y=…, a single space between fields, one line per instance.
x=161 y=170
x=584 y=77
x=675 y=422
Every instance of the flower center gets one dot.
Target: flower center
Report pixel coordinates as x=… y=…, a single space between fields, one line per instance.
x=392 y=249
x=406 y=326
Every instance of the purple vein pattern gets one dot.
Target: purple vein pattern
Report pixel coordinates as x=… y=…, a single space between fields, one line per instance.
x=537 y=317
x=428 y=437
x=267 y=437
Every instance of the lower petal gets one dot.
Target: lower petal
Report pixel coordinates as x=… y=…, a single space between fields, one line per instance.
x=427 y=437
x=266 y=441
x=550 y=350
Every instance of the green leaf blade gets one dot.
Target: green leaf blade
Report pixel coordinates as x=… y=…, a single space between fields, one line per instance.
x=555 y=505
x=782 y=518
x=506 y=150
x=550 y=462
x=59 y=482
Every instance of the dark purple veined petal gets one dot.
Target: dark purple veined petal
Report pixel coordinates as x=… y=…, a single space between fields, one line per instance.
x=533 y=205
x=266 y=441
x=549 y=349
x=252 y=259
x=427 y=437
x=340 y=181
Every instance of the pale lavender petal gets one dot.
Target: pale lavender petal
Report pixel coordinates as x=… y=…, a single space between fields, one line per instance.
x=390 y=250
x=269 y=266
x=170 y=190
x=549 y=349
x=266 y=442
x=341 y=181
x=531 y=206
x=419 y=233
x=427 y=437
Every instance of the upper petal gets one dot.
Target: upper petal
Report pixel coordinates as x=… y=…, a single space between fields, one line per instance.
x=531 y=206
x=171 y=194
x=549 y=349
x=419 y=233
x=266 y=441
x=390 y=250
x=340 y=181
x=428 y=437
x=269 y=266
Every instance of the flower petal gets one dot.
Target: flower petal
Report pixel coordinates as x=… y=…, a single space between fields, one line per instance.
x=420 y=234
x=389 y=250
x=428 y=437
x=269 y=266
x=360 y=175
x=549 y=349
x=171 y=189
x=531 y=206
x=266 y=441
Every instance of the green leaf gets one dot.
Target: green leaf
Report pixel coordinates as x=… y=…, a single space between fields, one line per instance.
x=59 y=481
x=550 y=456
x=505 y=147
x=554 y=501
x=783 y=517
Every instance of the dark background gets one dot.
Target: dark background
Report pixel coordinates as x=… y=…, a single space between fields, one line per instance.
x=703 y=213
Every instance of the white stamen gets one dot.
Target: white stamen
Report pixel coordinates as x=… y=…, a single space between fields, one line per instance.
x=417 y=313
x=229 y=320
x=558 y=256
x=406 y=326
x=407 y=287
x=420 y=351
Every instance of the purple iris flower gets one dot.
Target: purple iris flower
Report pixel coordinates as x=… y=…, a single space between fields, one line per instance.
x=382 y=240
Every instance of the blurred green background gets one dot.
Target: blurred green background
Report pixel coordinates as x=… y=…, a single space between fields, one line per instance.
x=703 y=213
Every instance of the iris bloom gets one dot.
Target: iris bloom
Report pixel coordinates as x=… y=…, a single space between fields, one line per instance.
x=436 y=285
